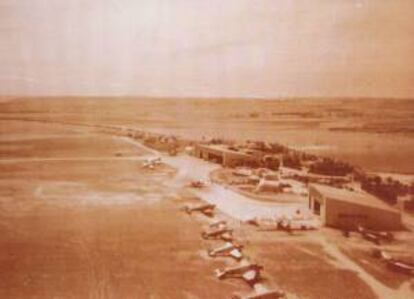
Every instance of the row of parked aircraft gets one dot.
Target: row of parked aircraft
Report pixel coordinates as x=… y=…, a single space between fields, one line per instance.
x=289 y=225
x=245 y=270
x=218 y=230
x=394 y=263
x=380 y=237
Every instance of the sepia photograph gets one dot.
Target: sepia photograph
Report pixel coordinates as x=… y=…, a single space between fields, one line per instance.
x=221 y=149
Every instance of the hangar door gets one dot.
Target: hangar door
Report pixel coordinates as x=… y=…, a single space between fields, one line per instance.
x=215 y=158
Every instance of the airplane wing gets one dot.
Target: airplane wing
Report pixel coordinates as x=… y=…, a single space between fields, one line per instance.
x=218 y=223
x=227 y=245
x=208 y=212
x=227 y=236
x=250 y=275
x=236 y=254
x=385 y=256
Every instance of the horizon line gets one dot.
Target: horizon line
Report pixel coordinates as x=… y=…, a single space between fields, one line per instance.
x=142 y=97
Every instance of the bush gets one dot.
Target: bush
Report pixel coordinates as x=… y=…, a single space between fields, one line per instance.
x=271 y=163
x=409 y=205
x=387 y=190
x=292 y=161
x=278 y=148
x=331 y=167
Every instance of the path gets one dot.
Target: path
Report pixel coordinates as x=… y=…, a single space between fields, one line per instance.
x=228 y=201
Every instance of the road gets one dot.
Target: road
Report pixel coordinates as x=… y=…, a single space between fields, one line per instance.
x=228 y=201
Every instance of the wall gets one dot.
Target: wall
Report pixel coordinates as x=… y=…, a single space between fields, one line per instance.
x=227 y=158
x=349 y=215
x=346 y=215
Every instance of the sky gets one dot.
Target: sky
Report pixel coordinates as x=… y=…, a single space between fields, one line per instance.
x=215 y=48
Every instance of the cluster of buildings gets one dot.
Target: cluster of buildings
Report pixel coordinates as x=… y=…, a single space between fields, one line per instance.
x=336 y=207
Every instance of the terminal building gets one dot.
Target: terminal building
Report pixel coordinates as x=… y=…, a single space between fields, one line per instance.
x=221 y=154
x=346 y=209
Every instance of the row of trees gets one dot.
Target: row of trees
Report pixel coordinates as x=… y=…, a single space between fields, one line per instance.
x=327 y=166
x=387 y=190
x=292 y=161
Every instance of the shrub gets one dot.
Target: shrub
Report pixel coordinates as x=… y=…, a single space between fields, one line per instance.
x=387 y=190
x=292 y=161
x=331 y=167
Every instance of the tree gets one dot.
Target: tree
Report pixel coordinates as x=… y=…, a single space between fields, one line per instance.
x=292 y=161
x=332 y=167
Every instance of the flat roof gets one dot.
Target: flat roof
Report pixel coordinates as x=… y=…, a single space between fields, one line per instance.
x=360 y=198
x=224 y=149
x=311 y=174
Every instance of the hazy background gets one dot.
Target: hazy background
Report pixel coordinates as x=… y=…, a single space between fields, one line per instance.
x=233 y=48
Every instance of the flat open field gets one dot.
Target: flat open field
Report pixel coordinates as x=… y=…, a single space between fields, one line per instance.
x=375 y=134
x=95 y=228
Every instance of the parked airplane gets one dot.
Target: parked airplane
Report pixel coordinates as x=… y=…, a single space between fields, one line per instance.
x=402 y=267
x=393 y=263
x=281 y=223
x=198 y=184
x=219 y=223
x=151 y=162
x=228 y=250
x=375 y=236
x=222 y=233
x=207 y=209
x=249 y=272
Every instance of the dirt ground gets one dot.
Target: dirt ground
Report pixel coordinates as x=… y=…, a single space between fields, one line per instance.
x=81 y=218
x=96 y=229
x=361 y=251
x=304 y=268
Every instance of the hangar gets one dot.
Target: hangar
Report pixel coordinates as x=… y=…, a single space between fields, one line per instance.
x=346 y=209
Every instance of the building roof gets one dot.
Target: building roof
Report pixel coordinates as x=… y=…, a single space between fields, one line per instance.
x=224 y=149
x=308 y=174
x=360 y=198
